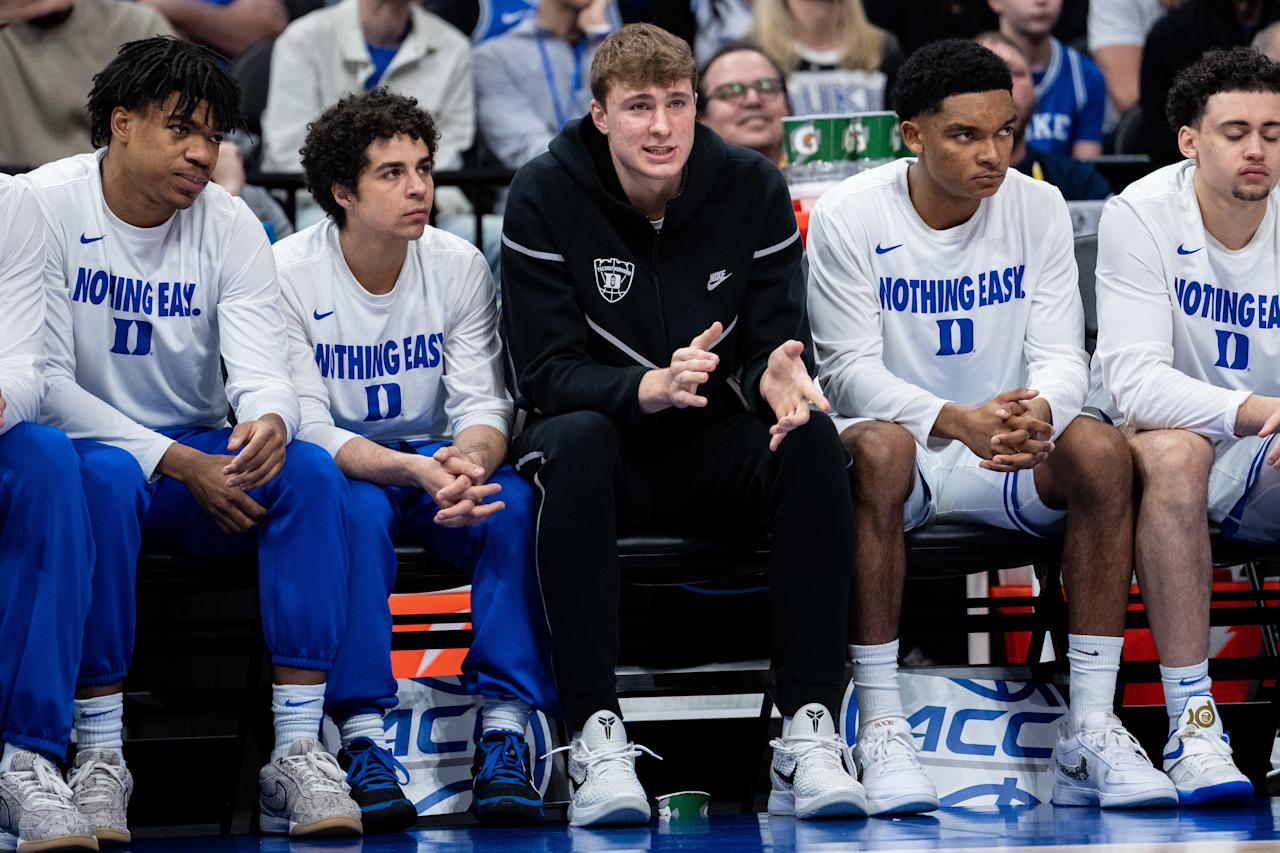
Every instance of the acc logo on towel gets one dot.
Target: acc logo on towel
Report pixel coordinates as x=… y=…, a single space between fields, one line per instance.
x=613 y=278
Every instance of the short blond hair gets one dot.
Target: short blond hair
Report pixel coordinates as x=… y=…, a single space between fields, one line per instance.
x=641 y=55
x=859 y=43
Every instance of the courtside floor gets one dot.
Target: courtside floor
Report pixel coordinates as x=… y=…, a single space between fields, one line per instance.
x=1038 y=828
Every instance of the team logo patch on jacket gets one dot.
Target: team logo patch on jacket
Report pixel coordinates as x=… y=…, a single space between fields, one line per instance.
x=613 y=278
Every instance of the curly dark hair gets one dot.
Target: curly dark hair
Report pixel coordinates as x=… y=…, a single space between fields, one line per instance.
x=1238 y=69
x=944 y=68
x=148 y=71
x=335 y=151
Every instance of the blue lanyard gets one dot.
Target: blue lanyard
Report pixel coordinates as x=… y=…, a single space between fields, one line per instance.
x=562 y=114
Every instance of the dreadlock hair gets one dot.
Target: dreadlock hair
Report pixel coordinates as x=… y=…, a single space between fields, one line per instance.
x=148 y=71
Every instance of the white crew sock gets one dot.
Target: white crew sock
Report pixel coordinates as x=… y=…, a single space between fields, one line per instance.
x=875 y=681
x=6 y=758
x=1094 y=661
x=363 y=725
x=1180 y=684
x=503 y=715
x=99 y=723
x=298 y=710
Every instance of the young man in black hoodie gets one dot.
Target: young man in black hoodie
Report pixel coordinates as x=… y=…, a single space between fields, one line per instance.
x=653 y=308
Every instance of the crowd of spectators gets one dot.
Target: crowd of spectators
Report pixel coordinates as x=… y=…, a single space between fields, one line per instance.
x=502 y=77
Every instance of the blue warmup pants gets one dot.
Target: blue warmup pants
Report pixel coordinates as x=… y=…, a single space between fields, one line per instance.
x=510 y=654
x=302 y=549
x=46 y=566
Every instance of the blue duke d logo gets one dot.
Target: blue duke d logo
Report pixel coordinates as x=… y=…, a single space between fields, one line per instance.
x=955 y=337
x=1233 y=350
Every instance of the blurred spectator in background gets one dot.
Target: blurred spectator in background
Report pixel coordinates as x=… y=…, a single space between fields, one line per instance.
x=534 y=78
x=229 y=174
x=917 y=22
x=49 y=52
x=1179 y=39
x=1267 y=41
x=1077 y=180
x=719 y=22
x=482 y=19
x=1071 y=96
x=742 y=95
x=228 y=26
x=354 y=47
x=1117 y=31
x=836 y=60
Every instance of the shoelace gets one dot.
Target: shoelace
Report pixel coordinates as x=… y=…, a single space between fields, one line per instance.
x=322 y=770
x=503 y=762
x=892 y=751
x=43 y=786
x=826 y=751
x=1204 y=749
x=612 y=761
x=376 y=769
x=94 y=789
x=1120 y=748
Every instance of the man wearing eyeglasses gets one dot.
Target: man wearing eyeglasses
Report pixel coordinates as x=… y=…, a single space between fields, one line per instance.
x=743 y=97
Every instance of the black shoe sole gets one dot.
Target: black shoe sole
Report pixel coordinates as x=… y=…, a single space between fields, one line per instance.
x=507 y=813
x=394 y=818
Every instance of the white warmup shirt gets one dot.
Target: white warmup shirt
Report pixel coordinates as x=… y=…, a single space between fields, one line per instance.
x=21 y=304
x=906 y=318
x=423 y=361
x=1187 y=328
x=138 y=317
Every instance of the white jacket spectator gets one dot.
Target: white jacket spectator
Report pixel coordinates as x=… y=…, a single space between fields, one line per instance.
x=323 y=56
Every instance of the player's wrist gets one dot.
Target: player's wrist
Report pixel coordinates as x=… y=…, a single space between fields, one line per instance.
x=179 y=462
x=655 y=390
x=952 y=421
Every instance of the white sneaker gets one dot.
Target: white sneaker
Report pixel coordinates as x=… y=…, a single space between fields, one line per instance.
x=306 y=794
x=602 y=774
x=808 y=772
x=103 y=785
x=1101 y=764
x=1197 y=758
x=889 y=767
x=36 y=808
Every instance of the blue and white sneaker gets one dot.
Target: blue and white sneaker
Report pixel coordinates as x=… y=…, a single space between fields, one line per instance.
x=1197 y=758
x=502 y=790
x=1101 y=764
x=373 y=773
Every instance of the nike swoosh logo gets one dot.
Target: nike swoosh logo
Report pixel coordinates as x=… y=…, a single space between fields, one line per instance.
x=880 y=250
x=511 y=18
x=790 y=778
x=1182 y=251
x=320 y=316
x=1187 y=682
x=714 y=282
x=1091 y=654
x=289 y=703
x=85 y=715
x=87 y=240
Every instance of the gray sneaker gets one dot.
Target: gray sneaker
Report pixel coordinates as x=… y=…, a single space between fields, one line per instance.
x=305 y=793
x=103 y=785
x=36 y=806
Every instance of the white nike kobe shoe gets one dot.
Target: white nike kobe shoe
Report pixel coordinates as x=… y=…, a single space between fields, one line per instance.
x=1101 y=764
x=1197 y=758
x=808 y=771
x=602 y=774
x=890 y=769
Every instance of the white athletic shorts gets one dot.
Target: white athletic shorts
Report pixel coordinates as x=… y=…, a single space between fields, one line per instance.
x=1244 y=493
x=951 y=488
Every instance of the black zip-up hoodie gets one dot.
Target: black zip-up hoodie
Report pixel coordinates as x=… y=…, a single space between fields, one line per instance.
x=593 y=297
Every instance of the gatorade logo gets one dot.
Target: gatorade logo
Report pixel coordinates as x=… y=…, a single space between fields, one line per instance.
x=896 y=138
x=805 y=140
x=1204 y=717
x=860 y=137
x=851 y=139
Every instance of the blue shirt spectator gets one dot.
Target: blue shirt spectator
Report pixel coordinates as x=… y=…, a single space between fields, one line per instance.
x=1071 y=98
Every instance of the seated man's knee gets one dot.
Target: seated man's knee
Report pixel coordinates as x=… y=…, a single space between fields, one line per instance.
x=368 y=506
x=45 y=461
x=111 y=477
x=884 y=458
x=585 y=437
x=1173 y=467
x=1096 y=457
x=312 y=469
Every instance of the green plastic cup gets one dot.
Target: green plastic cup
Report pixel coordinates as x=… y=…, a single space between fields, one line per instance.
x=683 y=805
